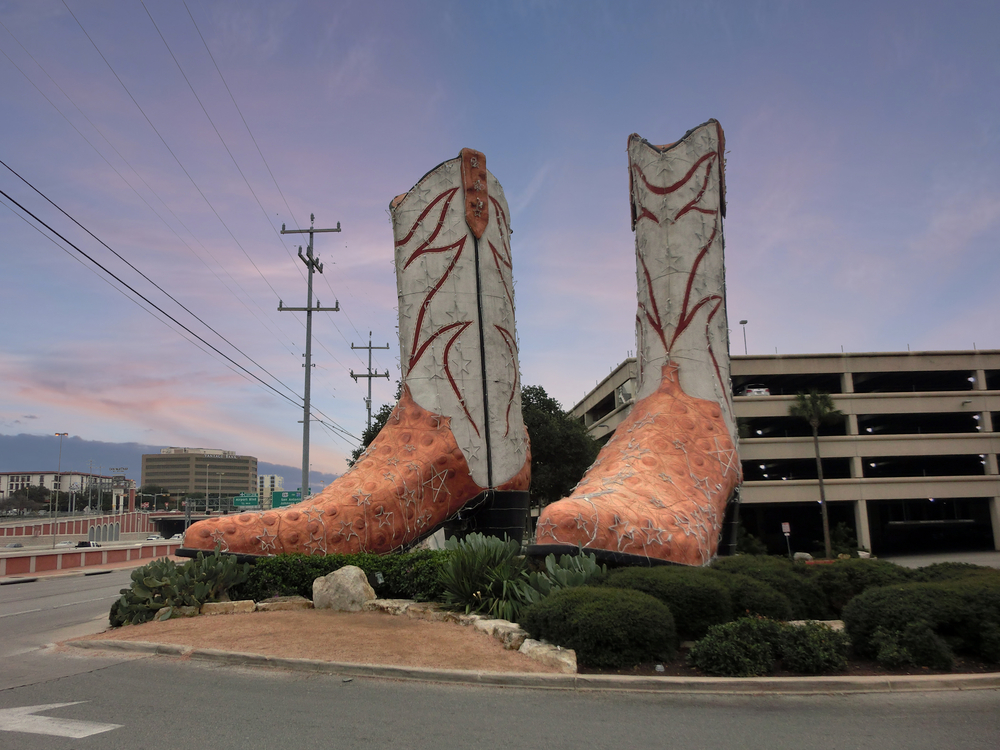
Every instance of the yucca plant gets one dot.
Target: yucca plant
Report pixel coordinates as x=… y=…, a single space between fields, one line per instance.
x=483 y=576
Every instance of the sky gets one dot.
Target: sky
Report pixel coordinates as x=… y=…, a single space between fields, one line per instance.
x=862 y=166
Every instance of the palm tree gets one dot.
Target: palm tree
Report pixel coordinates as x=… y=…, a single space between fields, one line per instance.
x=818 y=408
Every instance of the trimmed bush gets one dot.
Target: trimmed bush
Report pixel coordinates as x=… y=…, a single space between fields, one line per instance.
x=405 y=575
x=953 y=571
x=791 y=579
x=813 y=648
x=696 y=598
x=751 y=597
x=916 y=645
x=607 y=627
x=942 y=608
x=842 y=580
x=747 y=647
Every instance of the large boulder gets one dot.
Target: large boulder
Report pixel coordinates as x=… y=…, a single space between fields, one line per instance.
x=344 y=590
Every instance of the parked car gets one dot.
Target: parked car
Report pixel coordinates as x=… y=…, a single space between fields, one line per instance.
x=14 y=544
x=87 y=544
x=177 y=538
x=64 y=544
x=755 y=390
x=154 y=538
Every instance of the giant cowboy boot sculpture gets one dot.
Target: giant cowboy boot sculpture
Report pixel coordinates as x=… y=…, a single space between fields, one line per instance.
x=457 y=429
x=659 y=488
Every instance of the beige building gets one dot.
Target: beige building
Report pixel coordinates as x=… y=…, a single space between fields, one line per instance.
x=184 y=471
x=913 y=467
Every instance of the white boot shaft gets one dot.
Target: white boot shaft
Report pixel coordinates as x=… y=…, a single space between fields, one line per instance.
x=458 y=343
x=678 y=204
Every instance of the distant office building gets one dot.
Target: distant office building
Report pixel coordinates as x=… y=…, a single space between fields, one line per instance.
x=184 y=471
x=84 y=488
x=266 y=484
x=913 y=467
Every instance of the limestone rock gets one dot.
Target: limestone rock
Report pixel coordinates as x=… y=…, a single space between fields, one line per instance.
x=389 y=606
x=284 y=603
x=508 y=633
x=562 y=658
x=228 y=608
x=344 y=590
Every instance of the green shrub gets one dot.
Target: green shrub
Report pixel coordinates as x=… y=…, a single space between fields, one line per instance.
x=161 y=585
x=751 y=597
x=607 y=627
x=813 y=648
x=952 y=571
x=747 y=647
x=405 y=575
x=891 y=609
x=916 y=645
x=842 y=580
x=696 y=598
x=484 y=574
x=791 y=579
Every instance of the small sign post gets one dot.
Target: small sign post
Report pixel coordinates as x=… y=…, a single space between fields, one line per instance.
x=786 y=529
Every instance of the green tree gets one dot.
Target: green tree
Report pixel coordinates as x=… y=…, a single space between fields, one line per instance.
x=817 y=408
x=561 y=449
x=371 y=432
x=24 y=500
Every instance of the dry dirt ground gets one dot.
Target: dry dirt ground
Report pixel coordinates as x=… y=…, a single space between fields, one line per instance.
x=351 y=637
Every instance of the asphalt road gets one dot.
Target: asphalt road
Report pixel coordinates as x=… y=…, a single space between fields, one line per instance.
x=159 y=702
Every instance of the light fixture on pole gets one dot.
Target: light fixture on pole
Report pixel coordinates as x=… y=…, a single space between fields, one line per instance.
x=744 y=324
x=53 y=519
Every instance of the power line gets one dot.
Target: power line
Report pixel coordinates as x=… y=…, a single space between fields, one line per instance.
x=150 y=302
x=176 y=159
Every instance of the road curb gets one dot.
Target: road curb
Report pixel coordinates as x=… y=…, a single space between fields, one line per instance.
x=689 y=685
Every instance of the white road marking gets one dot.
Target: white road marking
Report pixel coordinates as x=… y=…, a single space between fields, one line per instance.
x=21 y=720
x=60 y=606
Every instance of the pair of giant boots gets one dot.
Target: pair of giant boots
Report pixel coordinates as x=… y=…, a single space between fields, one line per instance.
x=658 y=489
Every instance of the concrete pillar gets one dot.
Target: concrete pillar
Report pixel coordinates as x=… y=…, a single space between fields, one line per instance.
x=861 y=524
x=857 y=467
x=852 y=424
x=847 y=383
x=995 y=521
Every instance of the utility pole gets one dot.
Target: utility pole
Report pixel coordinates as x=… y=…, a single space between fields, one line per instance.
x=313 y=264
x=370 y=375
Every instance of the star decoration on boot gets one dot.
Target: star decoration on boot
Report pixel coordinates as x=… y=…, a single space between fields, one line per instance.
x=316 y=544
x=546 y=528
x=347 y=530
x=581 y=522
x=389 y=477
x=626 y=536
x=220 y=539
x=393 y=461
x=653 y=534
x=643 y=421
x=438 y=483
x=384 y=519
x=414 y=467
x=266 y=540
x=725 y=456
x=361 y=498
x=409 y=448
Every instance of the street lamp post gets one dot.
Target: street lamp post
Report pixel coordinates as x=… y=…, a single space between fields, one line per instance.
x=54 y=519
x=744 y=324
x=221 y=475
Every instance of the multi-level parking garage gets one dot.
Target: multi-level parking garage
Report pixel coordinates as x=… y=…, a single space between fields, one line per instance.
x=911 y=467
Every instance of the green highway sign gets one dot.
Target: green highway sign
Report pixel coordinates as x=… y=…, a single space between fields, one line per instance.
x=281 y=499
x=246 y=500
